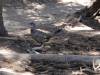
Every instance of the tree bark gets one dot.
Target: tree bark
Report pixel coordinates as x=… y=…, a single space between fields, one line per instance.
x=94 y=8
x=3 y=31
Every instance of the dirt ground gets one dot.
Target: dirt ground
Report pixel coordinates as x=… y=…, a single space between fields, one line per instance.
x=56 y=30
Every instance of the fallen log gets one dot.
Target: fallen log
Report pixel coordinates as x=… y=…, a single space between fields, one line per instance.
x=51 y=58
x=64 y=58
x=17 y=59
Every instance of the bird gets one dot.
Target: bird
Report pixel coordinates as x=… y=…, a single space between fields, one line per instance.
x=37 y=35
x=32 y=25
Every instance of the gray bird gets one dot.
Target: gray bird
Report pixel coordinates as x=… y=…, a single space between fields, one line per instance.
x=38 y=35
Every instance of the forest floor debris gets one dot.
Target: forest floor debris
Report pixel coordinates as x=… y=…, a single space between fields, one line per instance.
x=62 y=34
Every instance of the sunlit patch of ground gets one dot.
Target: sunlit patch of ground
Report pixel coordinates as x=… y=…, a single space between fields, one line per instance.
x=83 y=2
x=6 y=71
x=47 y=13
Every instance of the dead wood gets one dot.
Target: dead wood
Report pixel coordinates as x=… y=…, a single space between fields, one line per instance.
x=52 y=58
x=64 y=58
